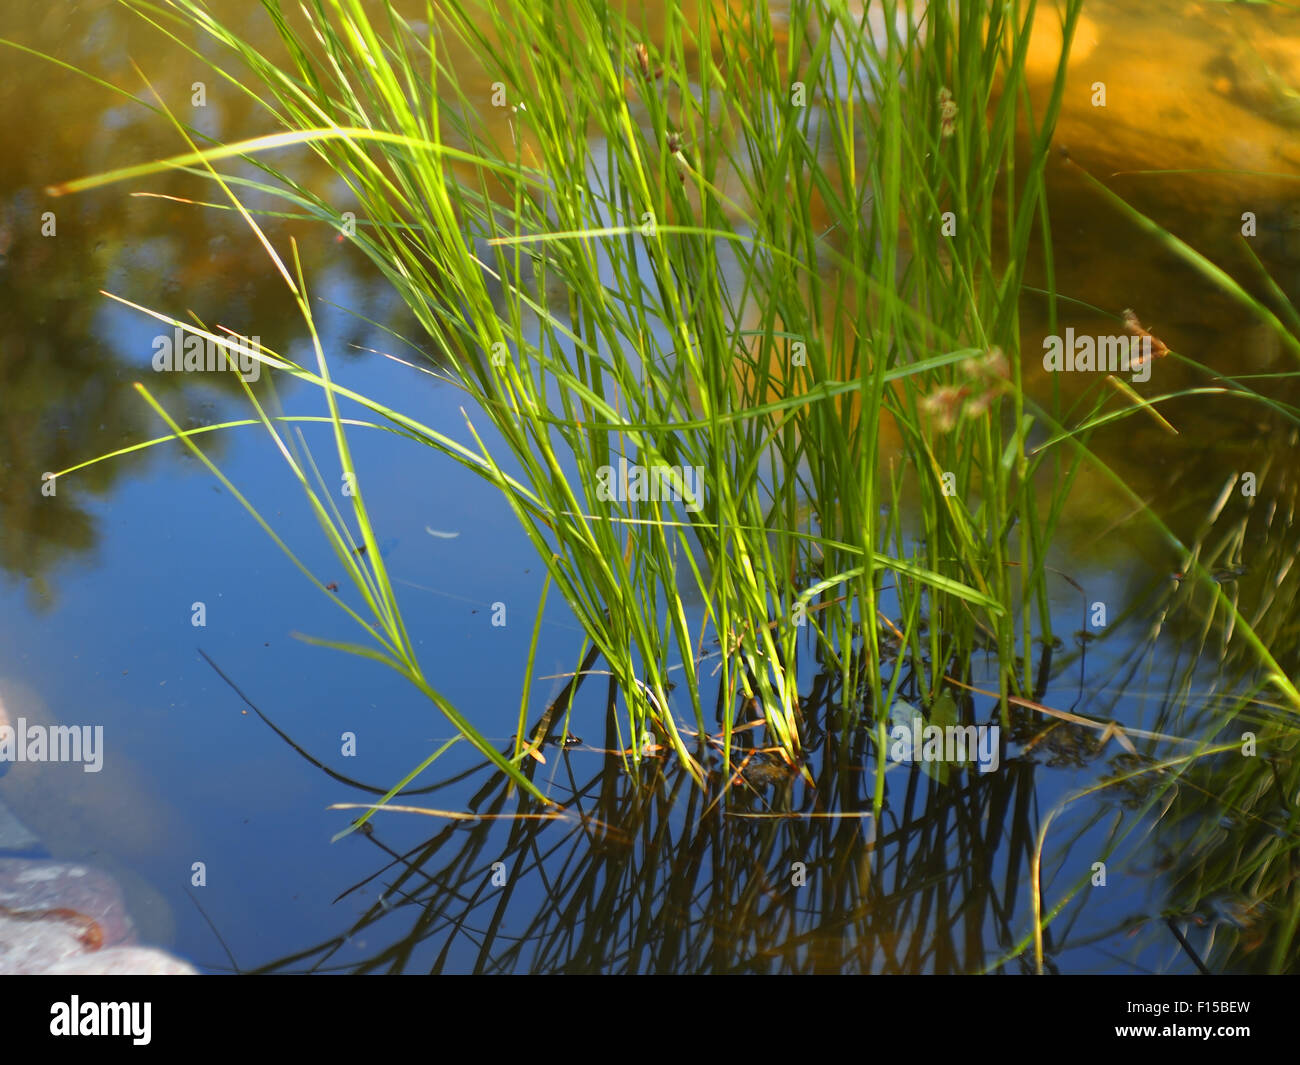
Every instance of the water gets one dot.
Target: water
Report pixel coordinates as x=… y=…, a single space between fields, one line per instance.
x=102 y=581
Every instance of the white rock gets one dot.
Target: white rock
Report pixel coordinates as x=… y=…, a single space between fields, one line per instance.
x=121 y=961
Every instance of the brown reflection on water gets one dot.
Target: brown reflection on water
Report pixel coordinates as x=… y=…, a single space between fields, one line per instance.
x=1211 y=92
x=68 y=355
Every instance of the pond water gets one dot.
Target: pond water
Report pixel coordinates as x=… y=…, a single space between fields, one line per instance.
x=101 y=584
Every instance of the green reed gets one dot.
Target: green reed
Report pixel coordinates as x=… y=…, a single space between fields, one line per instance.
x=789 y=258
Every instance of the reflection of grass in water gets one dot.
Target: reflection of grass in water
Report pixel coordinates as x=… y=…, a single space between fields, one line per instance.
x=645 y=874
x=1234 y=824
x=1211 y=817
